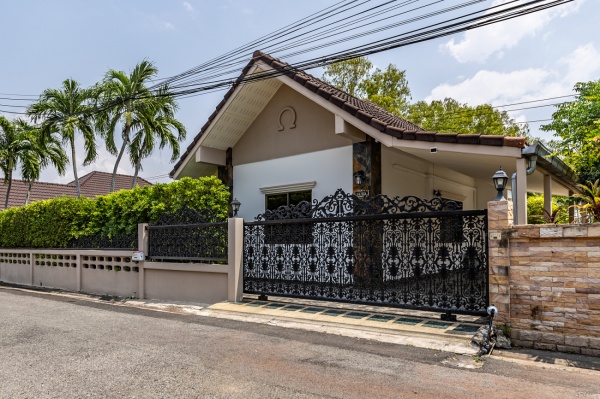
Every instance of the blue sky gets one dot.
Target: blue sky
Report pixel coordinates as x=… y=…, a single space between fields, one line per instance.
x=537 y=56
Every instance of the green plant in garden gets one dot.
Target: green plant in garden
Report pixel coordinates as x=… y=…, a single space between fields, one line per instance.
x=536 y=214
x=589 y=200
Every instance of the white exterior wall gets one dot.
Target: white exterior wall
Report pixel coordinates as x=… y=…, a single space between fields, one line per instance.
x=330 y=169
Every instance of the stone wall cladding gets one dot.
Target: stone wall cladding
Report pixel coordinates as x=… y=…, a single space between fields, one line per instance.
x=554 y=276
x=500 y=215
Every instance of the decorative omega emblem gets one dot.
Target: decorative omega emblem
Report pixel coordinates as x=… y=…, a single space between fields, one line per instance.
x=280 y=121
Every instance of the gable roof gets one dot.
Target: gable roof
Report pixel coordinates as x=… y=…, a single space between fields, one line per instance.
x=92 y=185
x=364 y=110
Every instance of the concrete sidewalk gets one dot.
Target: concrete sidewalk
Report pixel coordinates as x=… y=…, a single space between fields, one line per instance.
x=391 y=325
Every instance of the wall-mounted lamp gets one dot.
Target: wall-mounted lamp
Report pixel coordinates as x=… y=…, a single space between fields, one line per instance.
x=500 y=179
x=235 y=206
x=359 y=178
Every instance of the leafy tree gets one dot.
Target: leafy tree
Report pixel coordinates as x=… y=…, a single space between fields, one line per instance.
x=451 y=116
x=387 y=88
x=15 y=147
x=126 y=102
x=67 y=111
x=159 y=125
x=42 y=154
x=577 y=124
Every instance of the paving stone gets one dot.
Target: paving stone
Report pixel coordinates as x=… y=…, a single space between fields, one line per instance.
x=356 y=315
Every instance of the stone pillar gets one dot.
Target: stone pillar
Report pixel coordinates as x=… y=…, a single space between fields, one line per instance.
x=368 y=245
x=235 y=249
x=225 y=174
x=366 y=157
x=500 y=218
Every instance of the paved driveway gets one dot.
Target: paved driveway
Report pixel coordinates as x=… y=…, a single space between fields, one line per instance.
x=53 y=347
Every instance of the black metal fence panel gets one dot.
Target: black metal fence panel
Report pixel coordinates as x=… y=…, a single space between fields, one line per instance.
x=188 y=235
x=104 y=242
x=379 y=251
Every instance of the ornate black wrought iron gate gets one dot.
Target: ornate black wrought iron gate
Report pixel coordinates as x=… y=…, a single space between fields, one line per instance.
x=394 y=252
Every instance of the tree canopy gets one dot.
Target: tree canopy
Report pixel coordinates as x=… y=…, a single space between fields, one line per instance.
x=389 y=89
x=577 y=124
x=67 y=111
x=450 y=116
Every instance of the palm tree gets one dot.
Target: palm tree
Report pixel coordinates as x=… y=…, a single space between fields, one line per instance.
x=67 y=111
x=15 y=147
x=589 y=200
x=43 y=153
x=127 y=100
x=159 y=124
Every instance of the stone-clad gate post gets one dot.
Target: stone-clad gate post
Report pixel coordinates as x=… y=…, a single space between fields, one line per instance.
x=500 y=216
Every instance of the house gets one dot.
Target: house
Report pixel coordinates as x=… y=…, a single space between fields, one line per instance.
x=285 y=136
x=91 y=185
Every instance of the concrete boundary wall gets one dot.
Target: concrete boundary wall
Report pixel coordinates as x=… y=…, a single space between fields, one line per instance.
x=110 y=272
x=546 y=279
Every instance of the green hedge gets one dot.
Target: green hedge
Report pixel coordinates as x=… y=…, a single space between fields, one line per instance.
x=52 y=223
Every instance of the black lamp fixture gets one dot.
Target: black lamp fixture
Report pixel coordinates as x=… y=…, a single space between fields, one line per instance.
x=500 y=179
x=235 y=206
x=359 y=178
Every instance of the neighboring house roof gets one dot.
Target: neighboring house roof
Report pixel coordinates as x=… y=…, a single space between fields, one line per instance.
x=92 y=184
x=98 y=183
x=364 y=110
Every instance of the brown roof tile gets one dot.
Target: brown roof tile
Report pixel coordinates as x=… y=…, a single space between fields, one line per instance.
x=92 y=184
x=366 y=111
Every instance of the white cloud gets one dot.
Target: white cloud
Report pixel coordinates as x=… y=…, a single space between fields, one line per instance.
x=168 y=25
x=486 y=86
x=493 y=87
x=479 y=44
x=500 y=88
x=188 y=7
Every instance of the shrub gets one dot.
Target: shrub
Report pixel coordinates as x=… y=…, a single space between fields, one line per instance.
x=536 y=214
x=52 y=223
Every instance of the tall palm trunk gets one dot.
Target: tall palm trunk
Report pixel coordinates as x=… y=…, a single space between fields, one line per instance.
x=125 y=142
x=8 y=189
x=29 y=185
x=75 y=168
x=138 y=165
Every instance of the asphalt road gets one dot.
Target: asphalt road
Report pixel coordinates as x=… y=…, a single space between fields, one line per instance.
x=59 y=347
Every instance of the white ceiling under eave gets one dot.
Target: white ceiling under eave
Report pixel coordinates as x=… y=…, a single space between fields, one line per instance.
x=478 y=161
x=231 y=121
x=237 y=116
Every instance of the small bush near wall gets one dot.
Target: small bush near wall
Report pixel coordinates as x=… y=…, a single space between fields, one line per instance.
x=52 y=223
x=537 y=215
